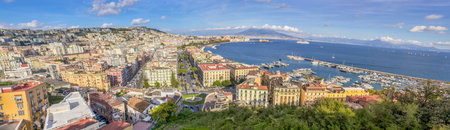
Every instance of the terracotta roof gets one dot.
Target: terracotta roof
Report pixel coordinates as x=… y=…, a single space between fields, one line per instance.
x=138 y=104
x=116 y=125
x=212 y=67
x=79 y=124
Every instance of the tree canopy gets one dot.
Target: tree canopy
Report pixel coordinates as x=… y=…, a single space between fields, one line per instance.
x=425 y=106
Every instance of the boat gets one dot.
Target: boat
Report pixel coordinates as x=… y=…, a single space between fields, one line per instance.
x=314 y=62
x=298 y=58
x=303 y=42
x=263 y=40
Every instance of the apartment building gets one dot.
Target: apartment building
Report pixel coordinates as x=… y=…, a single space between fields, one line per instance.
x=238 y=72
x=86 y=79
x=208 y=73
x=252 y=93
x=24 y=101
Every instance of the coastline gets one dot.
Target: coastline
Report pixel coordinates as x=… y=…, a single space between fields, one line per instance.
x=367 y=71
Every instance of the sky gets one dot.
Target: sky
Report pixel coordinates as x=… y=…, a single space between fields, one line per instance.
x=422 y=22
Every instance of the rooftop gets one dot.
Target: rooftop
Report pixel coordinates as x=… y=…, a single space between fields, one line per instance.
x=71 y=109
x=12 y=125
x=212 y=67
x=19 y=87
x=138 y=104
x=116 y=125
x=242 y=66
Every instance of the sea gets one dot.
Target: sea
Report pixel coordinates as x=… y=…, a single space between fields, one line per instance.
x=423 y=64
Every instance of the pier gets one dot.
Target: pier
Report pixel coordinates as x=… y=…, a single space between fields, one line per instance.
x=356 y=70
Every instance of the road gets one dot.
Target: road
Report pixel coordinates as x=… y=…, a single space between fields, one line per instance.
x=188 y=78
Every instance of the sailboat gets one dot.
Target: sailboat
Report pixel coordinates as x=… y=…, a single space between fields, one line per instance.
x=333 y=57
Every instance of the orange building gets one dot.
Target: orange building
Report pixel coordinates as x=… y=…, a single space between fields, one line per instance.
x=312 y=93
x=24 y=101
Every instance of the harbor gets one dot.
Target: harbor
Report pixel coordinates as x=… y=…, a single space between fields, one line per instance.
x=377 y=73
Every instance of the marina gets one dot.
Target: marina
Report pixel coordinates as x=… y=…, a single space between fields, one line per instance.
x=374 y=73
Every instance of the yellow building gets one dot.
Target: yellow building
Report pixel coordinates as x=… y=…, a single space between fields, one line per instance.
x=238 y=72
x=312 y=93
x=286 y=94
x=87 y=79
x=24 y=101
x=209 y=73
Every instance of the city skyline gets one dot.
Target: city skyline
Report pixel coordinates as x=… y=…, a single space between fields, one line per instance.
x=417 y=22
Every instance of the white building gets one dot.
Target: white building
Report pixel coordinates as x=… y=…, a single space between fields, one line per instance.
x=72 y=109
x=57 y=48
x=74 y=49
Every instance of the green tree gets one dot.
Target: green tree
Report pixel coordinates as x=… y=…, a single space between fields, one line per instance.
x=157 y=84
x=193 y=69
x=164 y=111
x=173 y=80
x=217 y=83
x=226 y=83
x=181 y=65
x=182 y=71
x=145 y=80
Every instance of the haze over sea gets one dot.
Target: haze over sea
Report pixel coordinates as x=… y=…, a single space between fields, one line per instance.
x=423 y=64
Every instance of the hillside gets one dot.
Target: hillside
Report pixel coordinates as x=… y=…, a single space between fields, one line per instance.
x=268 y=33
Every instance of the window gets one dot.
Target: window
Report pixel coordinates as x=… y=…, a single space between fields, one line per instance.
x=0 y=99
x=1 y=106
x=21 y=113
x=19 y=105
x=18 y=98
x=2 y=114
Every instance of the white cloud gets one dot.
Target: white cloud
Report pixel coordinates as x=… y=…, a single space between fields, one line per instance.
x=163 y=17
x=30 y=25
x=107 y=25
x=284 y=5
x=399 y=41
x=398 y=25
x=139 y=21
x=102 y=7
x=34 y=25
x=265 y=26
x=443 y=43
x=434 y=16
x=422 y=28
x=78 y=26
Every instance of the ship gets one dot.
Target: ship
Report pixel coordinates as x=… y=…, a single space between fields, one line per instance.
x=303 y=42
x=263 y=40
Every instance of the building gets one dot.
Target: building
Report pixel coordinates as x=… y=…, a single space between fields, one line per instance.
x=72 y=109
x=118 y=125
x=87 y=79
x=74 y=49
x=252 y=93
x=161 y=75
x=312 y=93
x=118 y=76
x=106 y=105
x=238 y=72
x=23 y=72
x=209 y=73
x=19 y=124
x=363 y=100
x=137 y=109
x=57 y=48
x=24 y=101
x=285 y=93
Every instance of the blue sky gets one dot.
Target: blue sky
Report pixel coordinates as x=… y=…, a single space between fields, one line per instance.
x=424 y=21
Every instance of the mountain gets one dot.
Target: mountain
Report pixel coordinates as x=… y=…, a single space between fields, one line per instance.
x=264 y=33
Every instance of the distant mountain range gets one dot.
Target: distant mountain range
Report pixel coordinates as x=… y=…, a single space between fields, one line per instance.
x=277 y=34
x=264 y=33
